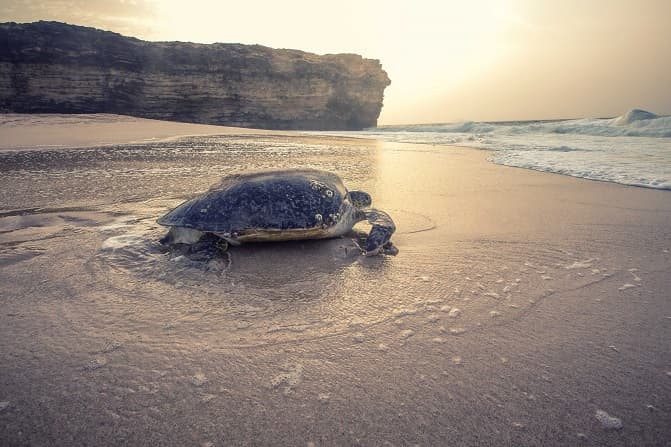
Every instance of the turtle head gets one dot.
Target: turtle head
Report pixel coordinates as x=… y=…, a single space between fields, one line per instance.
x=360 y=199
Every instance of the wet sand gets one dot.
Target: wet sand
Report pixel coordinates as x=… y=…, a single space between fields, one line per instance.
x=522 y=309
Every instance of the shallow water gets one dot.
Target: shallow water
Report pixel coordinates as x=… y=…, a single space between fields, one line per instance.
x=98 y=313
x=632 y=149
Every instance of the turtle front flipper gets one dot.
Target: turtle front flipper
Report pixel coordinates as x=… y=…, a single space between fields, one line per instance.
x=208 y=247
x=380 y=234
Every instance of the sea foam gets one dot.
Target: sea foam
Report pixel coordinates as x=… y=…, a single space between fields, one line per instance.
x=631 y=149
x=634 y=123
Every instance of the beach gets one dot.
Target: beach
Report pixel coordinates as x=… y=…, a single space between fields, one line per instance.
x=523 y=308
x=51 y=131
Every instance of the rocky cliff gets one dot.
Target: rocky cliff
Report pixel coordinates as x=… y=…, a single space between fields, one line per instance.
x=55 y=67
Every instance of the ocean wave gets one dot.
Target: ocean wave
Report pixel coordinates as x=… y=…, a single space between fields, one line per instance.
x=633 y=116
x=631 y=149
x=462 y=127
x=634 y=123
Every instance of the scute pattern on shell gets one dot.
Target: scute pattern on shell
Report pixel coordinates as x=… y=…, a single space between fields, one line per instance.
x=277 y=199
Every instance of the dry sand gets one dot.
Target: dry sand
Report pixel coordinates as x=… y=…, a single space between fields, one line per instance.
x=523 y=308
x=40 y=131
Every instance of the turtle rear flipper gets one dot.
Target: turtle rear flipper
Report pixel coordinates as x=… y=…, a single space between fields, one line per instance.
x=380 y=234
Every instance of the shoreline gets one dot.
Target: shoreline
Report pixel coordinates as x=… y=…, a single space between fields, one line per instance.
x=36 y=132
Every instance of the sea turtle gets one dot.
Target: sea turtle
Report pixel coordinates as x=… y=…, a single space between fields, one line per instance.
x=276 y=205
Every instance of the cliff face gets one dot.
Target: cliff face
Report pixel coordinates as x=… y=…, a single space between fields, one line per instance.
x=55 y=67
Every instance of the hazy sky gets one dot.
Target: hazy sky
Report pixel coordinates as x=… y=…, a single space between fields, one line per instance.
x=448 y=60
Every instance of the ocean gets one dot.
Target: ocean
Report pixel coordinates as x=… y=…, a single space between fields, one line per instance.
x=631 y=149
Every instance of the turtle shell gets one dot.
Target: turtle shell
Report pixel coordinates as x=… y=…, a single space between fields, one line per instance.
x=265 y=200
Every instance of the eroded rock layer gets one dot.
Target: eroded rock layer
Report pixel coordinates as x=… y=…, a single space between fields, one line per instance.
x=60 y=68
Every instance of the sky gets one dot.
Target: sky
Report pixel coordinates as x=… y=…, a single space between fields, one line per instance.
x=448 y=60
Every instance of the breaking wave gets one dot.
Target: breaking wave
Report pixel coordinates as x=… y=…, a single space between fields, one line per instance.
x=634 y=123
x=631 y=149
